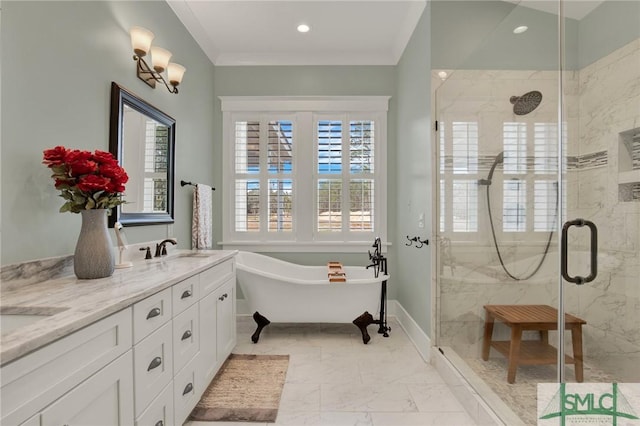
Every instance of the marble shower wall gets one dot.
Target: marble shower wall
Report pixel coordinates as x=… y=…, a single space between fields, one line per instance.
x=601 y=101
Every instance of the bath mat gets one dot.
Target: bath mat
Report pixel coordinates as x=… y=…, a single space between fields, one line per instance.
x=246 y=389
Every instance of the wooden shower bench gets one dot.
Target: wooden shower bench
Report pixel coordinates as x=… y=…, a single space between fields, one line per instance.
x=531 y=352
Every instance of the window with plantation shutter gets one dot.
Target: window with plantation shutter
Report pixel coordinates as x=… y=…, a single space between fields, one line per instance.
x=524 y=185
x=530 y=173
x=346 y=175
x=305 y=173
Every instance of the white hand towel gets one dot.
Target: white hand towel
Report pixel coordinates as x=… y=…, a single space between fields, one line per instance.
x=201 y=229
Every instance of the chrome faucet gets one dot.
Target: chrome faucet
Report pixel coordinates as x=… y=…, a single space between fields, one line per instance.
x=161 y=247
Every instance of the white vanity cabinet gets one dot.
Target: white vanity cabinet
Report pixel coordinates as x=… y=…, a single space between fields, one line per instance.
x=147 y=364
x=85 y=375
x=202 y=335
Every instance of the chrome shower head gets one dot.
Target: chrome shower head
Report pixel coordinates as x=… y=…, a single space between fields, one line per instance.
x=523 y=105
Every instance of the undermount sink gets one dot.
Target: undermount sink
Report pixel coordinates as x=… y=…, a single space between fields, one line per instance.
x=196 y=254
x=15 y=317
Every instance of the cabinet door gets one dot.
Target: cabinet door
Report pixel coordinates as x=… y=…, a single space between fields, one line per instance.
x=225 y=319
x=208 y=357
x=106 y=398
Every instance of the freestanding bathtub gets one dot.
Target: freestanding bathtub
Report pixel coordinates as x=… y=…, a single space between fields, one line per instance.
x=279 y=291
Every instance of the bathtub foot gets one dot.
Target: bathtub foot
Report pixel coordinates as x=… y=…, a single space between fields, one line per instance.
x=262 y=323
x=362 y=322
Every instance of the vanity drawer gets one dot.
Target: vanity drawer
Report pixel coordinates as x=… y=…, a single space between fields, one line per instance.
x=152 y=366
x=185 y=294
x=186 y=391
x=186 y=337
x=160 y=411
x=151 y=313
x=213 y=277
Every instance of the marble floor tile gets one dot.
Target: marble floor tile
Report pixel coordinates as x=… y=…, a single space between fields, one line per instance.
x=298 y=397
x=334 y=371
x=361 y=397
x=335 y=380
x=329 y=418
x=296 y=418
x=198 y=423
x=434 y=398
x=421 y=419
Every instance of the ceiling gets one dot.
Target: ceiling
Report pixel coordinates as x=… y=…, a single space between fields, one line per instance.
x=575 y=9
x=343 y=32
x=263 y=32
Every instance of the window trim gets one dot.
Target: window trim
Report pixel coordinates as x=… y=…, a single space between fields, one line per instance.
x=305 y=109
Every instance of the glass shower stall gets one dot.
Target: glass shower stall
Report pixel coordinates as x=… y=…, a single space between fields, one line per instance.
x=537 y=201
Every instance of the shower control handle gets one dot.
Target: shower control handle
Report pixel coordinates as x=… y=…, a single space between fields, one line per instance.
x=593 y=251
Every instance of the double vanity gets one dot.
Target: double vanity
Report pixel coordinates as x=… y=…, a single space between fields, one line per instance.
x=137 y=348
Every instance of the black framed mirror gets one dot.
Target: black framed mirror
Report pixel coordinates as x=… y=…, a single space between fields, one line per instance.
x=142 y=138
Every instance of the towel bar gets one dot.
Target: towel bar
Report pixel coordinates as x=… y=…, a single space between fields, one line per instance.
x=184 y=183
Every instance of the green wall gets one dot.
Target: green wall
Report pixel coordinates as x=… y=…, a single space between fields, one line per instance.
x=412 y=266
x=58 y=61
x=479 y=35
x=607 y=28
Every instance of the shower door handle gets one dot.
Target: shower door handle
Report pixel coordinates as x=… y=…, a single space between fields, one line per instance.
x=593 y=251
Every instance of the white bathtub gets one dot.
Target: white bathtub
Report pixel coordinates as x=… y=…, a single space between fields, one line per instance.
x=286 y=292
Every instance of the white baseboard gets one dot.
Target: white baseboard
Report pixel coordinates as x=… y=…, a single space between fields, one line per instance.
x=419 y=338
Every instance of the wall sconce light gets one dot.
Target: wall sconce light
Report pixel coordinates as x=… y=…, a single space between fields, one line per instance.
x=141 y=41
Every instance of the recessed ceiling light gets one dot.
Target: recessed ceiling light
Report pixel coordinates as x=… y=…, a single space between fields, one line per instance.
x=303 y=28
x=520 y=29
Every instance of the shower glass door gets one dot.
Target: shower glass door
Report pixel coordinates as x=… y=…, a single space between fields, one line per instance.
x=530 y=138
x=601 y=187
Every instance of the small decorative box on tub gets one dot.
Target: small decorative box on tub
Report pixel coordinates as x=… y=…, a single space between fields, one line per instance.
x=336 y=273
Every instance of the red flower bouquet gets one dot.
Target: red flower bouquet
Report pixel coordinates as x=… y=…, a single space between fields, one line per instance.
x=86 y=180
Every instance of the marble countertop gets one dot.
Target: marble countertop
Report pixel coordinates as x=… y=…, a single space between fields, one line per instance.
x=71 y=304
